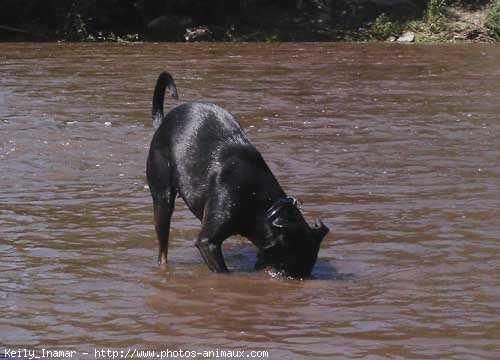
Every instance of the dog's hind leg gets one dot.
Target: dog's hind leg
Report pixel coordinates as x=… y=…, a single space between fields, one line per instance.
x=159 y=176
x=163 y=209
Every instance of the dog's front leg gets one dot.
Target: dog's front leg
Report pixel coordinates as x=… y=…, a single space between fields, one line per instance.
x=209 y=243
x=212 y=254
x=217 y=224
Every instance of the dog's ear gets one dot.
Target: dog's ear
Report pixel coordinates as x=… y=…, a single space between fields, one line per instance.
x=320 y=230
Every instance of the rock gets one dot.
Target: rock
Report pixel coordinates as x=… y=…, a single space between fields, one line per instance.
x=391 y=38
x=407 y=36
x=201 y=33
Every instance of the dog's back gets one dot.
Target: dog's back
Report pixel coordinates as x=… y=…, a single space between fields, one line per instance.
x=207 y=151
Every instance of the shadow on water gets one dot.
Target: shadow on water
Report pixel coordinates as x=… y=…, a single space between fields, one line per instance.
x=324 y=270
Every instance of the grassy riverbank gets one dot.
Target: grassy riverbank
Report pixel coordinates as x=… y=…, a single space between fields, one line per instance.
x=442 y=22
x=251 y=20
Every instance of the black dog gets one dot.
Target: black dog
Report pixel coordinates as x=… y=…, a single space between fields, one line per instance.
x=200 y=152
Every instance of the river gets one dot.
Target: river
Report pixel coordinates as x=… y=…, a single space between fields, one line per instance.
x=395 y=147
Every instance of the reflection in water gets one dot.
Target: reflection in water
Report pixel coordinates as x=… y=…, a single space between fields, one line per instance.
x=395 y=147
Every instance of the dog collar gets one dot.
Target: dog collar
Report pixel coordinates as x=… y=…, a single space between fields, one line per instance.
x=280 y=205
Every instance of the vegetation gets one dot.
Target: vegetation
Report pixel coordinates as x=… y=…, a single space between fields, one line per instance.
x=493 y=19
x=436 y=10
x=238 y=20
x=385 y=27
x=445 y=20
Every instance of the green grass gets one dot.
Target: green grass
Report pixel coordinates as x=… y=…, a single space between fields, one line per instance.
x=431 y=28
x=384 y=26
x=493 y=19
x=435 y=17
x=436 y=10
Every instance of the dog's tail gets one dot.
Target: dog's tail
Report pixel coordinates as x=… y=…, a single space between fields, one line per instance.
x=165 y=80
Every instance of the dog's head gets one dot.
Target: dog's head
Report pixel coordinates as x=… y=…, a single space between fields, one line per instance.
x=293 y=246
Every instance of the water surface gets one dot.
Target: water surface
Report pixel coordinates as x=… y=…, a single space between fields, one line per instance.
x=395 y=147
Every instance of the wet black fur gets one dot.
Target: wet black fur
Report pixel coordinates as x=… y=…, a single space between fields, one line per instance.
x=201 y=153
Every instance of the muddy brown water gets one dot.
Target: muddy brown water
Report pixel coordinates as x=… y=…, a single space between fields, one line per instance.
x=395 y=147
